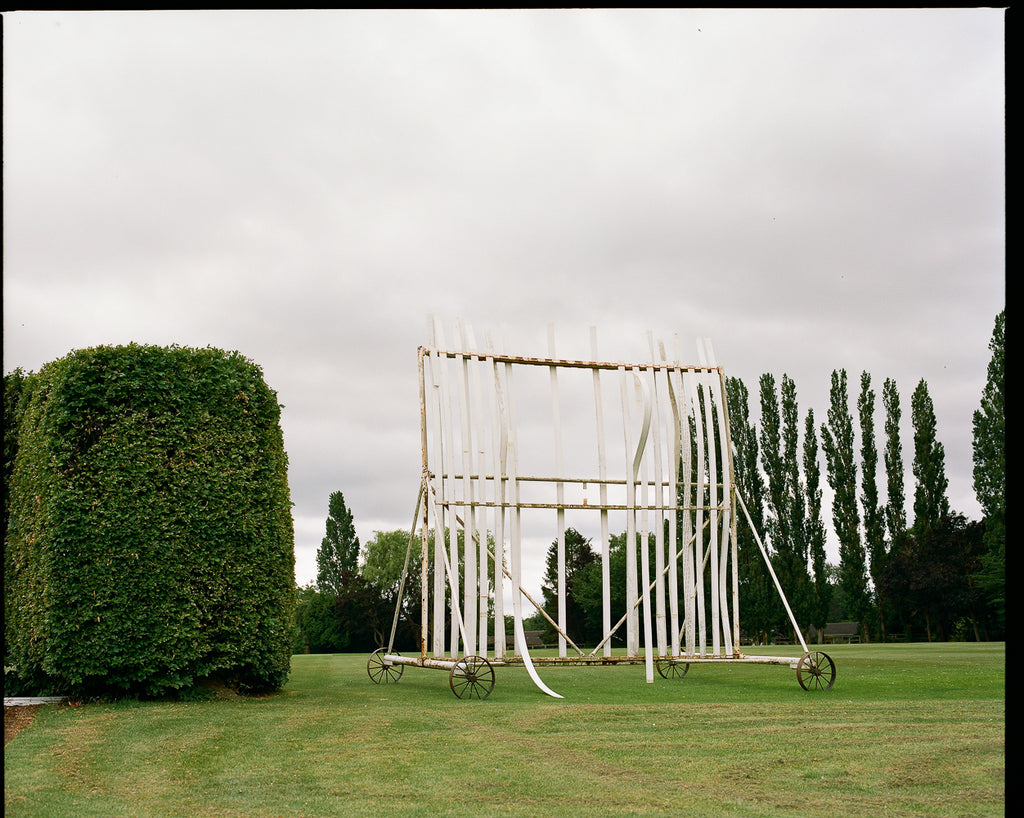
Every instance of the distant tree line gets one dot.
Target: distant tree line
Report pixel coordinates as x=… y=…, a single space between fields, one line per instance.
x=933 y=576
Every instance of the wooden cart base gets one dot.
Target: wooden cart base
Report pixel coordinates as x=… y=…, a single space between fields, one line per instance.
x=472 y=677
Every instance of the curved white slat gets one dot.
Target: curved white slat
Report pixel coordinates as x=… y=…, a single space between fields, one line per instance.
x=645 y=564
x=661 y=626
x=719 y=399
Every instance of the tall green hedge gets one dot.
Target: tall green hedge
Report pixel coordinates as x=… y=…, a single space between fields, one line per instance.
x=150 y=541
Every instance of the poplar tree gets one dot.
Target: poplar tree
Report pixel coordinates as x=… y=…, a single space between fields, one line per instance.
x=989 y=428
x=797 y=581
x=874 y=517
x=930 y=501
x=771 y=462
x=896 y=501
x=814 y=528
x=338 y=554
x=777 y=520
x=837 y=441
x=760 y=602
x=795 y=501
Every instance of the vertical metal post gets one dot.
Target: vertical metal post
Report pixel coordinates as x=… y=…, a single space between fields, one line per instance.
x=424 y=478
x=443 y=448
x=447 y=469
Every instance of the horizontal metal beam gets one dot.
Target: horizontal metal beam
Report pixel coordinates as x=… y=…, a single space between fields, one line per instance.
x=567 y=362
x=588 y=506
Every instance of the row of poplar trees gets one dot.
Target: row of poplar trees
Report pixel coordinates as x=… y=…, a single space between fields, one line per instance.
x=935 y=576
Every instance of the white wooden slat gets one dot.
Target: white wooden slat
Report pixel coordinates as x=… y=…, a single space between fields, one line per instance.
x=559 y=493
x=673 y=522
x=602 y=472
x=632 y=620
x=709 y=447
x=445 y=485
x=480 y=427
x=661 y=625
x=700 y=551
x=645 y=564
x=500 y=472
x=718 y=391
x=468 y=506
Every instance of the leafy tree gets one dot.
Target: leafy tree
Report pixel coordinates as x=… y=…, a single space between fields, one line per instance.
x=814 y=532
x=383 y=560
x=989 y=427
x=385 y=557
x=874 y=514
x=339 y=550
x=930 y=576
x=837 y=441
x=930 y=501
x=579 y=554
x=358 y=620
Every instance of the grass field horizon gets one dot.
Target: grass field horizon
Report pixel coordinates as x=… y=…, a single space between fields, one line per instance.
x=908 y=730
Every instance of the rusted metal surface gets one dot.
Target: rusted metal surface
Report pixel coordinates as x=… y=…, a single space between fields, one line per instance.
x=484 y=487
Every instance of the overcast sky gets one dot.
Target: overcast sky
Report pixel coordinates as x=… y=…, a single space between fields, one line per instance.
x=811 y=189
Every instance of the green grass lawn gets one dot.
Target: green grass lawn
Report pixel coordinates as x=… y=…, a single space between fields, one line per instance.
x=908 y=730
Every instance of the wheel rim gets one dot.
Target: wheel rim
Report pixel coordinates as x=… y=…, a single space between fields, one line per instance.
x=382 y=672
x=816 y=671
x=671 y=668
x=472 y=678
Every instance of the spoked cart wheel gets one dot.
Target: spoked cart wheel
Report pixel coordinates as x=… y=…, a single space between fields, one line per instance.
x=472 y=678
x=816 y=671
x=380 y=671
x=671 y=668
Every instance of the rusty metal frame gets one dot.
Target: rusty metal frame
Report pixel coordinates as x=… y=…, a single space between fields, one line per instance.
x=675 y=431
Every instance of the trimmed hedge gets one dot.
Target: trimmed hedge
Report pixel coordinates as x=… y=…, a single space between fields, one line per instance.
x=150 y=541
